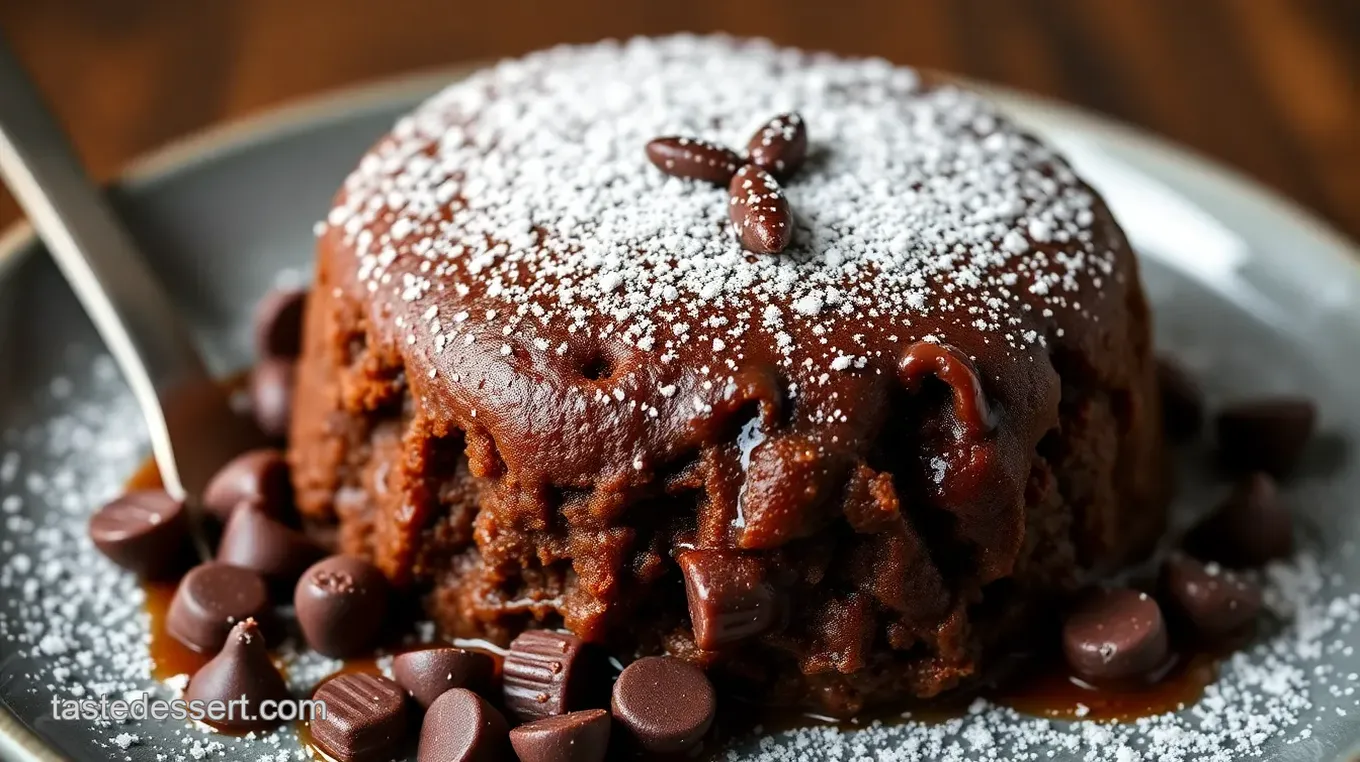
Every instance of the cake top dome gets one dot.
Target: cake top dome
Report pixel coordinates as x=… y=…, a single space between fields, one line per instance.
x=546 y=294
x=528 y=186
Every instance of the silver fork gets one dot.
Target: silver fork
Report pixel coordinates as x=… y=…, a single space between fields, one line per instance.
x=193 y=429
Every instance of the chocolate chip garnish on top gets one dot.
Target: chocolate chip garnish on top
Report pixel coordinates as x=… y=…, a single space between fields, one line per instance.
x=759 y=211
x=341 y=605
x=254 y=540
x=278 y=323
x=271 y=395
x=729 y=597
x=1252 y=527
x=1216 y=601
x=210 y=600
x=1182 y=402
x=241 y=670
x=542 y=674
x=145 y=532
x=428 y=673
x=694 y=159
x=665 y=704
x=780 y=146
x=1115 y=635
x=365 y=718
x=461 y=727
x=259 y=477
x=1265 y=434
x=577 y=737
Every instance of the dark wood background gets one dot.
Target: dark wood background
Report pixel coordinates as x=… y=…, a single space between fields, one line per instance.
x=1269 y=86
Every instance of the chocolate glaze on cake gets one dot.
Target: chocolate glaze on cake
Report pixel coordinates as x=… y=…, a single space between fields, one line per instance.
x=536 y=369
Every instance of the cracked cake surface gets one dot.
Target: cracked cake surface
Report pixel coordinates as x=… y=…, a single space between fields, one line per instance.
x=543 y=385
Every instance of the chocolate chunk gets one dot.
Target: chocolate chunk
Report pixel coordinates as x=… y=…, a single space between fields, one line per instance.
x=665 y=704
x=780 y=146
x=576 y=737
x=1266 y=434
x=241 y=670
x=259 y=477
x=729 y=598
x=278 y=323
x=145 y=532
x=341 y=605
x=1216 y=601
x=253 y=540
x=694 y=159
x=1251 y=528
x=541 y=674
x=461 y=727
x=210 y=600
x=759 y=212
x=271 y=396
x=1115 y=635
x=1182 y=402
x=365 y=718
x=426 y=674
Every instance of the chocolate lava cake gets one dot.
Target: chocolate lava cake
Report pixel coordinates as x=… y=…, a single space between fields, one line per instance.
x=543 y=385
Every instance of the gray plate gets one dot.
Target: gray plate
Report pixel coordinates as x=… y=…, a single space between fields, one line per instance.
x=1250 y=292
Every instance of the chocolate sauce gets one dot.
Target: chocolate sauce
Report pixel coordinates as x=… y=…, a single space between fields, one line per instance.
x=1050 y=690
x=147 y=476
x=169 y=657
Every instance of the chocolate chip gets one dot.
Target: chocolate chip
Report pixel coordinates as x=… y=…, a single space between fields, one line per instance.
x=729 y=598
x=278 y=323
x=241 y=670
x=1216 y=601
x=576 y=737
x=253 y=540
x=1265 y=434
x=1251 y=528
x=1115 y=635
x=759 y=212
x=461 y=726
x=145 y=532
x=426 y=674
x=1182 y=402
x=271 y=396
x=665 y=704
x=365 y=718
x=540 y=676
x=694 y=159
x=210 y=600
x=780 y=146
x=259 y=477
x=341 y=605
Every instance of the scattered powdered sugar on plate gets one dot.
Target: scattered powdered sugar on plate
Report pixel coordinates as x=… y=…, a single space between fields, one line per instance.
x=78 y=627
x=63 y=603
x=74 y=625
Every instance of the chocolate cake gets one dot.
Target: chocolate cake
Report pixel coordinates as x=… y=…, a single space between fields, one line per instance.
x=543 y=385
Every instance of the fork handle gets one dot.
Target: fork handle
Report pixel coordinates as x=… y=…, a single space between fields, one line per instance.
x=129 y=307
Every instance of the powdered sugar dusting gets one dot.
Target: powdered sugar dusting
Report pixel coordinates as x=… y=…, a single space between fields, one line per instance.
x=528 y=185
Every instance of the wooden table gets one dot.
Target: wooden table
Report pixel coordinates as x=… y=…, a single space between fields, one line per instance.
x=1269 y=86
